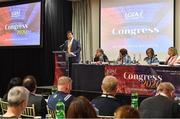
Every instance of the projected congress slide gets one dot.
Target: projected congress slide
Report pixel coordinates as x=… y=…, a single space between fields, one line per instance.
x=20 y=25
x=137 y=25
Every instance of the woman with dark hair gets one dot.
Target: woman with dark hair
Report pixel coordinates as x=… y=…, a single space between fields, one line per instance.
x=151 y=57
x=126 y=111
x=123 y=58
x=15 y=81
x=80 y=107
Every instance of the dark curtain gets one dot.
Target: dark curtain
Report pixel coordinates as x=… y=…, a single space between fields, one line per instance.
x=57 y=19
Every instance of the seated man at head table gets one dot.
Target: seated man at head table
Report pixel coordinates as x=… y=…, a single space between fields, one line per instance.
x=151 y=57
x=162 y=105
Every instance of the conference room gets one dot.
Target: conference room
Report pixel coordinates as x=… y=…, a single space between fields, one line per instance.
x=112 y=55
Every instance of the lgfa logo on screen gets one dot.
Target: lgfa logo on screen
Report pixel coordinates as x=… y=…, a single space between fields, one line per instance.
x=15 y=13
x=133 y=14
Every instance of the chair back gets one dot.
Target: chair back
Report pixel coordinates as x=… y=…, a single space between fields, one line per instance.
x=29 y=112
x=105 y=117
x=4 y=106
x=51 y=112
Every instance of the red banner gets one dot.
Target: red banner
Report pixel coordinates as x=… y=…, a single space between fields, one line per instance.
x=132 y=80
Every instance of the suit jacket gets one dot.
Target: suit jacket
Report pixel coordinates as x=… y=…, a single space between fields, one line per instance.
x=39 y=103
x=159 y=107
x=76 y=48
x=106 y=105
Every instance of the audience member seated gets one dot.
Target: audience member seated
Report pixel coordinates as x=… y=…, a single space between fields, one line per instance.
x=39 y=102
x=15 y=81
x=80 y=107
x=123 y=58
x=172 y=56
x=107 y=103
x=126 y=111
x=100 y=56
x=17 y=100
x=151 y=57
x=64 y=88
x=162 y=105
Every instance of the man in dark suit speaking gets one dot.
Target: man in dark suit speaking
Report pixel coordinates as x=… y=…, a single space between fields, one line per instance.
x=73 y=48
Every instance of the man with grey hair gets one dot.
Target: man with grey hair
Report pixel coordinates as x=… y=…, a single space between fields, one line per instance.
x=107 y=103
x=162 y=105
x=17 y=100
x=64 y=88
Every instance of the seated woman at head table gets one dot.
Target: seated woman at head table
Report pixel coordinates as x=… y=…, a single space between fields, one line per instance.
x=100 y=56
x=172 y=56
x=151 y=57
x=123 y=57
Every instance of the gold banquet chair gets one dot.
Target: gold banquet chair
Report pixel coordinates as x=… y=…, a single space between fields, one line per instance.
x=50 y=112
x=105 y=117
x=29 y=112
x=4 y=106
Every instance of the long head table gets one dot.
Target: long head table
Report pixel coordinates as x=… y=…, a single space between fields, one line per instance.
x=132 y=78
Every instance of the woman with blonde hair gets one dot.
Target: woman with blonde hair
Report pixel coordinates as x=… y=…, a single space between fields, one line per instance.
x=172 y=56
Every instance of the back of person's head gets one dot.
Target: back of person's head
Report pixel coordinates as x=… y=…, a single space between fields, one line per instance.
x=80 y=107
x=167 y=88
x=109 y=85
x=126 y=111
x=15 y=81
x=30 y=83
x=123 y=52
x=64 y=84
x=17 y=95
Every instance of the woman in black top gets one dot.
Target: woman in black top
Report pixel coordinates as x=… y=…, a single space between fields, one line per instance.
x=100 y=56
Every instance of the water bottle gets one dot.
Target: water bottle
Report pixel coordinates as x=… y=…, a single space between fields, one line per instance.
x=53 y=89
x=134 y=59
x=60 y=110
x=140 y=57
x=134 y=100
